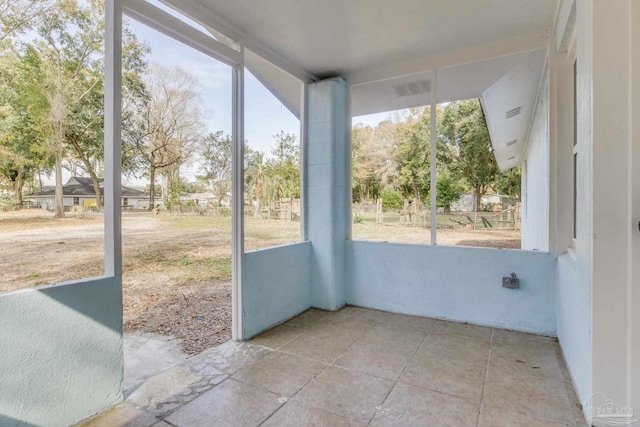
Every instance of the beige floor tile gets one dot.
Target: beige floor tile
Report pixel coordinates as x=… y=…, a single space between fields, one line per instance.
x=230 y=356
x=231 y=403
x=449 y=376
x=345 y=393
x=294 y=414
x=534 y=395
x=123 y=415
x=492 y=416
x=408 y=322
x=319 y=346
x=470 y=350
x=280 y=373
x=540 y=358
x=409 y=406
x=513 y=337
x=309 y=318
x=278 y=336
x=462 y=329
x=363 y=314
x=343 y=328
x=382 y=352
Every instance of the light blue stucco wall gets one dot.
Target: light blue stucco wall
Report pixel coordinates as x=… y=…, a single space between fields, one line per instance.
x=325 y=190
x=61 y=354
x=573 y=311
x=456 y=283
x=275 y=286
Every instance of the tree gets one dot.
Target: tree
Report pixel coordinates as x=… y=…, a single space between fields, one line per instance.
x=216 y=164
x=60 y=86
x=20 y=156
x=465 y=135
x=18 y=16
x=509 y=182
x=412 y=155
x=372 y=165
x=448 y=189
x=166 y=124
x=284 y=168
x=256 y=180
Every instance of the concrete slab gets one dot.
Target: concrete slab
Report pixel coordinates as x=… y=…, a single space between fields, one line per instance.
x=147 y=354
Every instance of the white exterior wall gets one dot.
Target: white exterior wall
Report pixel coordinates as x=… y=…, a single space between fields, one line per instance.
x=535 y=176
x=598 y=293
x=573 y=296
x=606 y=66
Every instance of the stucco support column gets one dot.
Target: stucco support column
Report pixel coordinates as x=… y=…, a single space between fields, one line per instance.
x=326 y=190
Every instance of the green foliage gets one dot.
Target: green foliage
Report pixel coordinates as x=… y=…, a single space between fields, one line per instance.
x=276 y=178
x=52 y=88
x=468 y=151
x=508 y=183
x=448 y=189
x=412 y=155
x=395 y=155
x=358 y=218
x=173 y=196
x=284 y=169
x=216 y=164
x=391 y=199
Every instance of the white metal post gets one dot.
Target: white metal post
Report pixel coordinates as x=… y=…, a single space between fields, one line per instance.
x=237 y=225
x=434 y=151
x=112 y=139
x=303 y=161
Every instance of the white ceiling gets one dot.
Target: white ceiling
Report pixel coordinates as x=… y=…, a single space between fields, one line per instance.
x=331 y=38
x=318 y=39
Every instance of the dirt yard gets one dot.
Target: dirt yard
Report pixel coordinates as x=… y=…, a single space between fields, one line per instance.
x=177 y=270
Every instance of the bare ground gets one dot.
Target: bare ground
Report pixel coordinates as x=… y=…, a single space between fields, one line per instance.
x=177 y=270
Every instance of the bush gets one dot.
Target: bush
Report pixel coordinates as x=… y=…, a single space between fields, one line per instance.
x=7 y=204
x=391 y=199
x=357 y=218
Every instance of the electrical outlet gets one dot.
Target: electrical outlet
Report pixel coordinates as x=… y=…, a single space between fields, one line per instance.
x=511 y=282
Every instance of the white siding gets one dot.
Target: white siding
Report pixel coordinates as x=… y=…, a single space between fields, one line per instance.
x=535 y=177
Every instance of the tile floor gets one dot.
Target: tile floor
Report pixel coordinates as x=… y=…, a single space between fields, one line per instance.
x=362 y=367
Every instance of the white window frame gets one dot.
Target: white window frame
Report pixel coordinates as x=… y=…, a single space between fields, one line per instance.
x=574 y=141
x=167 y=24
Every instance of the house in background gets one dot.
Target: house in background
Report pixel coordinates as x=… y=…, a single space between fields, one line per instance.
x=558 y=81
x=79 y=191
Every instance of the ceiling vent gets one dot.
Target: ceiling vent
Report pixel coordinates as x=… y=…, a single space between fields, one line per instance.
x=510 y=143
x=513 y=113
x=413 y=88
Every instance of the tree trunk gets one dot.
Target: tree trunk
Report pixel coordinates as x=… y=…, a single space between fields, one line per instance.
x=165 y=188
x=152 y=187
x=479 y=194
x=59 y=196
x=92 y=173
x=18 y=184
x=96 y=189
x=257 y=209
x=291 y=208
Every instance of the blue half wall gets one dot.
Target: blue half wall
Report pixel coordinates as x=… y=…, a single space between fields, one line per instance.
x=276 y=285
x=455 y=283
x=60 y=352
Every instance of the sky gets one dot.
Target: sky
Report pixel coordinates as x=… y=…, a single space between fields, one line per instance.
x=265 y=115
